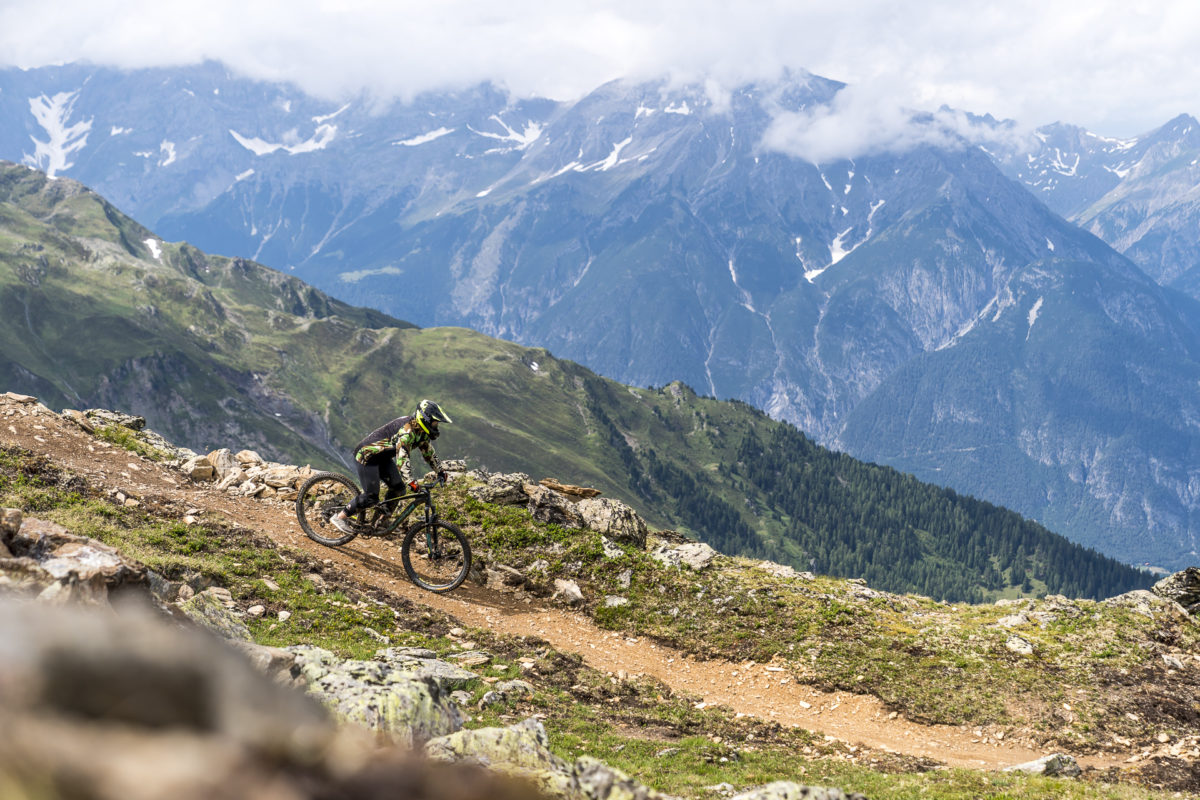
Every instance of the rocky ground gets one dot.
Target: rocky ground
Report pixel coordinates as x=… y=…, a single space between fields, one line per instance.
x=751 y=689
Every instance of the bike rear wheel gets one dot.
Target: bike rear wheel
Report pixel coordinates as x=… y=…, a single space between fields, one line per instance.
x=320 y=497
x=436 y=556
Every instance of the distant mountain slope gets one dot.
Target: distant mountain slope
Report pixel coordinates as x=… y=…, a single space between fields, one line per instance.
x=213 y=351
x=1140 y=195
x=657 y=233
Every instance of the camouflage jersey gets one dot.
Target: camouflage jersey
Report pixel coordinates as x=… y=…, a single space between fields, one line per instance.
x=397 y=439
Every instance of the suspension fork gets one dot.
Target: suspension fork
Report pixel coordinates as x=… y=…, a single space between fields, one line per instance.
x=431 y=534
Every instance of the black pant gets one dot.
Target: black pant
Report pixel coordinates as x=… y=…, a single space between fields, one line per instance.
x=370 y=475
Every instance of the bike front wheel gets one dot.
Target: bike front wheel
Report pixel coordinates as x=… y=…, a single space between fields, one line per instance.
x=320 y=497
x=436 y=556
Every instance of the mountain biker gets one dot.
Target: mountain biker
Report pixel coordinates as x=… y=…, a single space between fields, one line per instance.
x=383 y=457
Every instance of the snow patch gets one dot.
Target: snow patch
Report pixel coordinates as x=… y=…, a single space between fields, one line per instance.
x=611 y=161
x=530 y=134
x=1033 y=315
x=53 y=113
x=155 y=247
x=323 y=119
x=425 y=137
x=291 y=144
x=115 y=131
x=533 y=365
x=1060 y=165
x=682 y=109
x=837 y=248
x=243 y=175
x=167 y=150
x=357 y=275
x=1049 y=244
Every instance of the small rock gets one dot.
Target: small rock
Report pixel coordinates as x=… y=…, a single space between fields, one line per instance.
x=80 y=419
x=284 y=615
x=1019 y=645
x=568 y=591
x=256 y=611
x=1057 y=765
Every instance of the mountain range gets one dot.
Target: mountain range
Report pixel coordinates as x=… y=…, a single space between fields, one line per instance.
x=97 y=310
x=971 y=315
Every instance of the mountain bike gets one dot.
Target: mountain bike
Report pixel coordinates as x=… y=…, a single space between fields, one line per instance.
x=434 y=552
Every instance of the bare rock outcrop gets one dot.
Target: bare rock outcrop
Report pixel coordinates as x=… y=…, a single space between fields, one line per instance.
x=1182 y=587
x=558 y=504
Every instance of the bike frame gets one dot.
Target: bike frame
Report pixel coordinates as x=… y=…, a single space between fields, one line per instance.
x=422 y=499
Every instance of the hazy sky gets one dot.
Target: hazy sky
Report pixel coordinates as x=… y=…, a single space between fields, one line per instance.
x=1117 y=68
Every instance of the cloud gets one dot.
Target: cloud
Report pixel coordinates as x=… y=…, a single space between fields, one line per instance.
x=1115 y=67
x=863 y=121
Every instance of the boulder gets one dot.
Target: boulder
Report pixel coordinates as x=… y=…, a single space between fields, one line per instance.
x=235 y=478
x=504 y=490
x=613 y=519
x=198 y=469
x=208 y=608
x=80 y=419
x=10 y=523
x=547 y=505
x=1182 y=587
x=379 y=695
x=46 y=560
x=278 y=476
x=598 y=781
x=135 y=668
x=523 y=750
x=1143 y=601
x=569 y=489
x=567 y=591
x=1019 y=646
x=224 y=462
x=693 y=555
x=103 y=418
x=1058 y=765
x=421 y=664
x=248 y=458
x=787 y=790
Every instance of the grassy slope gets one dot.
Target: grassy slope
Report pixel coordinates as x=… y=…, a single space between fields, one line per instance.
x=927 y=659
x=218 y=352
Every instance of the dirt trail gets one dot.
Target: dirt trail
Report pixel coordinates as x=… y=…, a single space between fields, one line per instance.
x=761 y=690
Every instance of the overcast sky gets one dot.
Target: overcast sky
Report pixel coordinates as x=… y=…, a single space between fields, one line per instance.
x=1117 y=68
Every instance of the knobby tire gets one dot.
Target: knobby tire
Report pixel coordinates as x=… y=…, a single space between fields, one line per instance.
x=448 y=569
x=320 y=497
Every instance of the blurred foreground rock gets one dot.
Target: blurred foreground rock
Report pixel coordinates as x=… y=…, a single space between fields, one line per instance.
x=125 y=706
